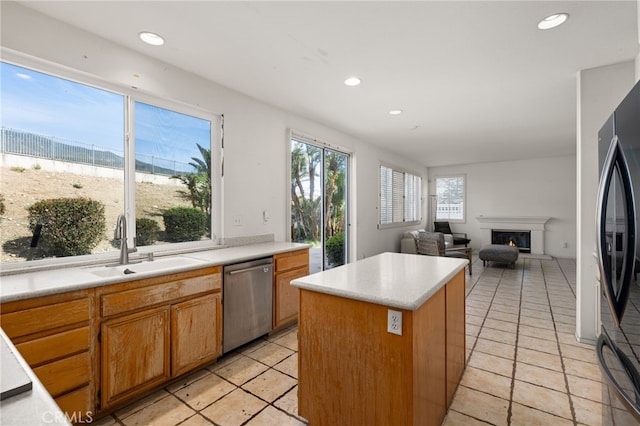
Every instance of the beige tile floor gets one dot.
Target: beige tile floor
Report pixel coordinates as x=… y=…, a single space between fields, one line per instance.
x=524 y=364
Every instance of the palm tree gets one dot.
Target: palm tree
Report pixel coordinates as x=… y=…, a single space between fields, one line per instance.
x=199 y=182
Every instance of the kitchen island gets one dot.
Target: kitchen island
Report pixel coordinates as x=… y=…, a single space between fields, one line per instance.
x=381 y=340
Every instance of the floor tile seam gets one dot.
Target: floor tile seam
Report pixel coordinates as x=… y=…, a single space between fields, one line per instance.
x=264 y=400
x=540 y=385
x=246 y=421
x=117 y=419
x=264 y=363
x=484 y=317
x=197 y=410
x=141 y=408
x=546 y=412
x=195 y=414
x=485 y=390
x=534 y=349
x=273 y=404
x=493 y=354
x=566 y=279
x=472 y=417
x=515 y=350
x=275 y=342
x=564 y=370
x=499 y=329
x=267 y=404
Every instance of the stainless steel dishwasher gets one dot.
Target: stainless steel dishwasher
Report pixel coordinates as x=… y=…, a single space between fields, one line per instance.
x=247 y=302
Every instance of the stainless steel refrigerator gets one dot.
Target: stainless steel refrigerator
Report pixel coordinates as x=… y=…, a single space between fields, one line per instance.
x=618 y=347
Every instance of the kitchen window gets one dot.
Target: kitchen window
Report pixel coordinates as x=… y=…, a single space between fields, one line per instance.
x=70 y=139
x=400 y=197
x=450 y=198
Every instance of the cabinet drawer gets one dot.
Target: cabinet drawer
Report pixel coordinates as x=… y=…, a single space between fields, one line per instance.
x=137 y=298
x=49 y=317
x=77 y=404
x=291 y=260
x=56 y=346
x=66 y=374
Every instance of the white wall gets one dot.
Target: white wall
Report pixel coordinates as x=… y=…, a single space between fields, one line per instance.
x=536 y=187
x=600 y=90
x=256 y=145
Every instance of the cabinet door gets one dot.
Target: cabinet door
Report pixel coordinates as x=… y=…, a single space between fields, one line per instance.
x=287 y=297
x=135 y=354
x=195 y=332
x=455 y=329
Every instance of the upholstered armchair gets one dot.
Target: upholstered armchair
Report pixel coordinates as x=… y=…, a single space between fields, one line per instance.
x=459 y=238
x=432 y=244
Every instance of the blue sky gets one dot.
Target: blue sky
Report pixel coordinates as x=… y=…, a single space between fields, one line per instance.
x=39 y=103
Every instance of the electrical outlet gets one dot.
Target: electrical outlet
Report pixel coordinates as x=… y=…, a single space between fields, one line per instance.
x=237 y=220
x=394 y=322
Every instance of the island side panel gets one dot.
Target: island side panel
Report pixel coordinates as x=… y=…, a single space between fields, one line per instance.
x=351 y=370
x=456 y=334
x=429 y=354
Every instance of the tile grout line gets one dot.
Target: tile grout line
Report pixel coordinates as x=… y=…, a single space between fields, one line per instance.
x=484 y=318
x=515 y=344
x=199 y=411
x=555 y=330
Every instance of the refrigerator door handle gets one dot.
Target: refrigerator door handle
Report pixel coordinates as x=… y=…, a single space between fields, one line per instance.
x=616 y=161
x=630 y=403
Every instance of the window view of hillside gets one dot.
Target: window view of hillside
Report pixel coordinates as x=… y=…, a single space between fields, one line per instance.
x=63 y=180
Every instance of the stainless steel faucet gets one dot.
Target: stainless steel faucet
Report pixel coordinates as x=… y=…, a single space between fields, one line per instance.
x=121 y=234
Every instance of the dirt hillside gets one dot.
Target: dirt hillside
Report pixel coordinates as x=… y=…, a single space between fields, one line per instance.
x=23 y=187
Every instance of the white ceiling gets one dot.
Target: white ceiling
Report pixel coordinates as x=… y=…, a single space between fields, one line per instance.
x=477 y=81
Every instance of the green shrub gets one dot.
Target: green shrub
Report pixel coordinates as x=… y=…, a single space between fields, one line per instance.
x=335 y=249
x=184 y=224
x=146 y=231
x=70 y=226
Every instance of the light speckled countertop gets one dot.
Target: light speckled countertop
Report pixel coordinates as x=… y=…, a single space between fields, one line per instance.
x=33 y=407
x=36 y=406
x=36 y=284
x=403 y=281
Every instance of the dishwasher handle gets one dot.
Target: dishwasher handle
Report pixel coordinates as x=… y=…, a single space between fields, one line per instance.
x=265 y=268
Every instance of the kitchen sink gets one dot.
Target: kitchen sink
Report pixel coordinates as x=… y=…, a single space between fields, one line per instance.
x=157 y=265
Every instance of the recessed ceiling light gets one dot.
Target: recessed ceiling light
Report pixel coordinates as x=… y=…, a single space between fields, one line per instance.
x=553 y=21
x=352 y=81
x=151 y=38
x=395 y=112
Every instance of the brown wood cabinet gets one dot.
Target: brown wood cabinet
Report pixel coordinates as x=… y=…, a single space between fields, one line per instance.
x=288 y=266
x=193 y=342
x=135 y=354
x=155 y=329
x=353 y=371
x=54 y=335
x=455 y=327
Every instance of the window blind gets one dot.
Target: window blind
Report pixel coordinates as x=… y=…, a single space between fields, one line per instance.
x=400 y=196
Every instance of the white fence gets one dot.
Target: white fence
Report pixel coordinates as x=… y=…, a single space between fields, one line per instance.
x=450 y=211
x=19 y=142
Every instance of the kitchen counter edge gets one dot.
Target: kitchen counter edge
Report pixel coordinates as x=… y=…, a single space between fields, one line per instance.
x=416 y=278
x=30 y=285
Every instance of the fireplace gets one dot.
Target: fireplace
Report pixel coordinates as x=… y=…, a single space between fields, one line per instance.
x=516 y=238
x=534 y=224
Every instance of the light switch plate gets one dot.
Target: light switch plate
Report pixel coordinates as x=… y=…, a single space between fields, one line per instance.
x=394 y=322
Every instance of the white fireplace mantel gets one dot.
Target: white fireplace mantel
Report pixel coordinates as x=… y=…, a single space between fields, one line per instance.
x=535 y=224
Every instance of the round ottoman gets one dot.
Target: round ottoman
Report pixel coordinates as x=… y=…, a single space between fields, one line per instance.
x=498 y=253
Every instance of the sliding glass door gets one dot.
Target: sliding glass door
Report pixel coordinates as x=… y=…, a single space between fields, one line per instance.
x=319 y=200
